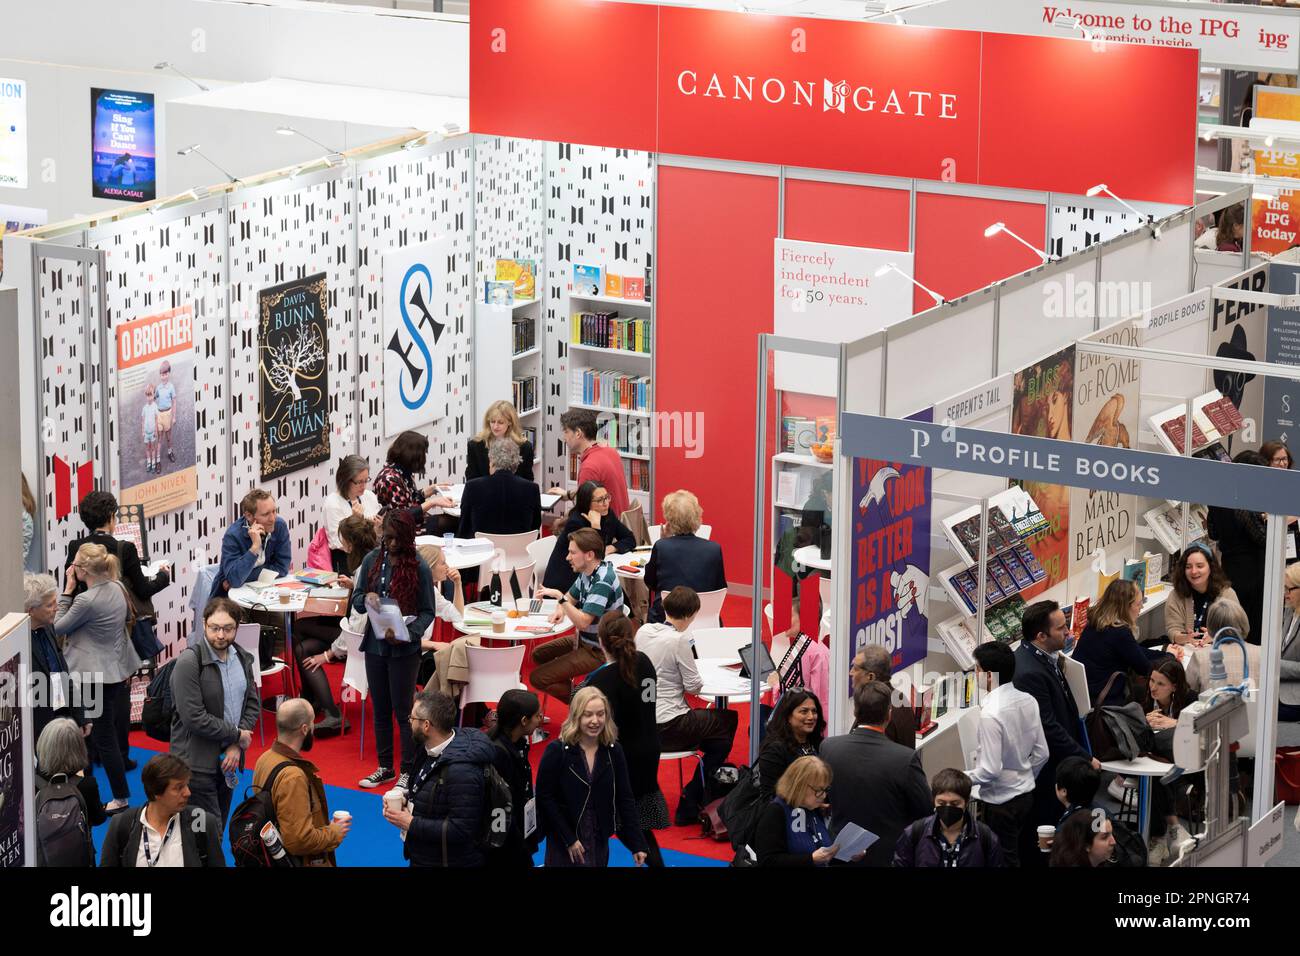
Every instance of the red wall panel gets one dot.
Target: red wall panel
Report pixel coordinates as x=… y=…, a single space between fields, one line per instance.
x=846 y=215
x=952 y=255
x=706 y=339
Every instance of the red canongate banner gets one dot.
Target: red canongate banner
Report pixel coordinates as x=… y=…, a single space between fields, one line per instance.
x=917 y=102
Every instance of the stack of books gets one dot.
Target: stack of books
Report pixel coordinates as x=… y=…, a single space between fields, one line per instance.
x=1214 y=418
x=798 y=434
x=525 y=393
x=611 y=389
x=637 y=473
x=605 y=330
x=1166 y=523
x=524 y=335
x=1007 y=575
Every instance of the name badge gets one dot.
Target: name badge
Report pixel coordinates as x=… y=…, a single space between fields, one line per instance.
x=1290 y=547
x=530 y=817
x=58 y=692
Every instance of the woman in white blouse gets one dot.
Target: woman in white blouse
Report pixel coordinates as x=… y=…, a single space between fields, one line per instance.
x=353 y=497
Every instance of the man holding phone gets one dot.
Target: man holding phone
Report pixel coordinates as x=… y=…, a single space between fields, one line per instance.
x=258 y=541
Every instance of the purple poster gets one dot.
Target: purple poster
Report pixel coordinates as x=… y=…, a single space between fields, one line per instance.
x=891 y=557
x=12 y=785
x=123 y=161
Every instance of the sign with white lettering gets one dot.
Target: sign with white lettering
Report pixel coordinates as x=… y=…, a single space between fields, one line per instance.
x=1031 y=458
x=1282 y=395
x=830 y=293
x=293 y=365
x=976 y=404
x=13 y=133
x=17 y=819
x=1264 y=838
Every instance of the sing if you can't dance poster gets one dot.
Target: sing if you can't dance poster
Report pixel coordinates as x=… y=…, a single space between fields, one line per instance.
x=891 y=557
x=293 y=366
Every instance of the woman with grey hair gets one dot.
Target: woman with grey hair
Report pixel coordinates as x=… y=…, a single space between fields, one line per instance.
x=53 y=694
x=501 y=502
x=1224 y=613
x=61 y=749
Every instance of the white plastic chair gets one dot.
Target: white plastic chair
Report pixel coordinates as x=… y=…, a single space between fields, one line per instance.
x=539 y=552
x=655 y=530
x=523 y=572
x=826 y=589
x=710 y=615
x=249 y=637
x=354 y=674
x=780 y=643
x=492 y=672
x=723 y=643
x=679 y=756
x=514 y=545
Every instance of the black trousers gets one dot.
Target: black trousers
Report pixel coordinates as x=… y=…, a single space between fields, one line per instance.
x=209 y=791
x=1009 y=821
x=109 y=733
x=312 y=636
x=392 y=691
x=712 y=732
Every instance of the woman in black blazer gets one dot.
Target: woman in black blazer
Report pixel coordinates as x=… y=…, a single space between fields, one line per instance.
x=500 y=421
x=624 y=679
x=1108 y=644
x=519 y=713
x=795 y=730
x=591 y=510
x=584 y=795
x=679 y=558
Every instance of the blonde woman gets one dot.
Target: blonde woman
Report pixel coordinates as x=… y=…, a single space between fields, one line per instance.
x=584 y=794
x=1108 y=644
x=679 y=558
x=100 y=657
x=500 y=421
x=793 y=829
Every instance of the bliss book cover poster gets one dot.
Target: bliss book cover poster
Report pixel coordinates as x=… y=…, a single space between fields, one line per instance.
x=123 y=165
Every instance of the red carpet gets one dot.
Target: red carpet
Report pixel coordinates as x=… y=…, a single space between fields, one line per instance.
x=341 y=766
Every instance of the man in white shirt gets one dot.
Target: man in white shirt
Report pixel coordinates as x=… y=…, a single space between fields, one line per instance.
x=1012 y=748
x=166 y=831
x=712 y=732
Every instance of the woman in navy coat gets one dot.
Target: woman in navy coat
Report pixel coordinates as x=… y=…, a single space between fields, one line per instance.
x=1108 y=643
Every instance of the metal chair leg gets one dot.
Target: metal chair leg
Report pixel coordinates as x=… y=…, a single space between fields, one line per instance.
x=363 y=728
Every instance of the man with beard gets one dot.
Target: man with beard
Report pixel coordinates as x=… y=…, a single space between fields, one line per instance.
x=301 y=813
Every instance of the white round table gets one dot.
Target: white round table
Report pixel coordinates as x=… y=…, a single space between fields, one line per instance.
x=620 y=562
x=270 y=599
x=513 y=623
x=1144 y=768
x=458 y=556
x=722 y=682
x=810 y=556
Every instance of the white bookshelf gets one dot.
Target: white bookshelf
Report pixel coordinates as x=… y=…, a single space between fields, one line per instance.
x=497 y=364
x=610 y=300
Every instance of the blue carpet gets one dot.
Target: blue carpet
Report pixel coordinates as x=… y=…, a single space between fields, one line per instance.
x=372 y=841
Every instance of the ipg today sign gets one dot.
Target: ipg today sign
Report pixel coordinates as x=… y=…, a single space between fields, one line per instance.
x=1028 y=457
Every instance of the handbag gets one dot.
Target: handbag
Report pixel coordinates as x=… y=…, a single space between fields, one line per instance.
x=1118 y=733
x=140 y=631
x=326 y=606
x=1287 y=774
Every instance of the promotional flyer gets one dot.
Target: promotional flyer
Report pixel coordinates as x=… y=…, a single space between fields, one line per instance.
x=123 y=162
x=13 y=784
x=293 y=367
x=891 y=557
x=155 y=405
x=416 y=337
x=13 y=133
x=1238 y=331
x=1043 y=406
x=1281 y=395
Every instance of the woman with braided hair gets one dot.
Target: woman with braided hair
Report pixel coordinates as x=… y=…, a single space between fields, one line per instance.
x=394 y=572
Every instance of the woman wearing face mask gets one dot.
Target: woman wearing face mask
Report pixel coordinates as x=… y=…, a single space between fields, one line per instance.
x=1167 y=695
x=795 y=730
x=793 y=829
x=1108 y=645
x=1085 y=839
x=1199 y=581
x=519 y=713
x=591 y=510
x=950 y=837
x=584 y=794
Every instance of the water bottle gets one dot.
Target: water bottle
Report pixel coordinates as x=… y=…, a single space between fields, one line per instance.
x=232 y=778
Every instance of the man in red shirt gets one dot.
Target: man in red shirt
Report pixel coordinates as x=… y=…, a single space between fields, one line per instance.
x=596 y=462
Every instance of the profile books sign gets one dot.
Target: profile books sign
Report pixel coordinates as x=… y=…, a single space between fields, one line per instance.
x=155 y=406
x=293 y=367
x=416 y=335
x=124 y=164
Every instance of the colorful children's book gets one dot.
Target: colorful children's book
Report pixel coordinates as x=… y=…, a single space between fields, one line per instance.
x=587 y=280
x=633 y=288
x=613 y=286
x=499 y=293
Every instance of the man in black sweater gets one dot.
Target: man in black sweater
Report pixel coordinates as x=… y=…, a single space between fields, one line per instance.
x=1039 y=674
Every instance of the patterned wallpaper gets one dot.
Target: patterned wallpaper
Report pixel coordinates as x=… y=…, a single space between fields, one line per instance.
x=1074 y=228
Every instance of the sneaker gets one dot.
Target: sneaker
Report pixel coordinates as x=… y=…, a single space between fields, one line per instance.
x=330 y=726
x=1117 y=789
x=1157 y=851
x=380 y=776
x=171 y=456
x=403 y=782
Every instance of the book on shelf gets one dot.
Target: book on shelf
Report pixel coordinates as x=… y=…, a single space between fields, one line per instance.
x=530 y=434
x=587 y=280
x=1214 y=418
x=798 y=434
x=634 y=289
x=1166 y=523
x=1155 y=570
x=523 y=335
x=637 y=474
x=521 y=273
x=786 y=522
x=1078 y=616
x=606 y=330
x=626 y=435
x=525 y=393
x=787 y=487
x=1135 y=570
x=498 y=293
x=611 y=389
x=613 y=286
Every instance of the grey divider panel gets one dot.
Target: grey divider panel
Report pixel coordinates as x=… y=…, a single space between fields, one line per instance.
x=150 y=267
x=1157 y=269
x=1075 y=227
x=600 y=212
x=509 y=205
x=1038 y=312
x=407 y=198
x=279 y=232
x=65 y=371
x=956 y=353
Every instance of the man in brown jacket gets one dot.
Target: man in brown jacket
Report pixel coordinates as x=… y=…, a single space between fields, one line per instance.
x=301 y=813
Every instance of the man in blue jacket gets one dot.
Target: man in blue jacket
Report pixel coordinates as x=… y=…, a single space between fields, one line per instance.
x=443 y=817
x=257 y=542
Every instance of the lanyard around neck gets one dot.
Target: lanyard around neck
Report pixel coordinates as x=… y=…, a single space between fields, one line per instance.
x=144 y=838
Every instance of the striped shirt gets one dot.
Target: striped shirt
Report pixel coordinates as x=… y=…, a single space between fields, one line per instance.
x=596 y=594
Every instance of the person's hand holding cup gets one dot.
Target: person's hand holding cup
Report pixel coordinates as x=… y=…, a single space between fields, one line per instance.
x=1046 y=834
x=341 y=823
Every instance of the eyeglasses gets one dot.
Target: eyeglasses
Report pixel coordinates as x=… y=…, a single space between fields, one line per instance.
x=417 y=720
x=221 y=628
x=820 y=791
x=600 y=501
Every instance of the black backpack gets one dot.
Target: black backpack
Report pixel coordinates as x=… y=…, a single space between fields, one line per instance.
x=62 y=825
x=741 y=807
x=498 y=807
x=246 y=822
x=156 y=715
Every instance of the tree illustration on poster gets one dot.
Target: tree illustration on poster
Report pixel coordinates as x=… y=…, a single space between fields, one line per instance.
x=13 y=783
x=293 y=365
x=891 y=557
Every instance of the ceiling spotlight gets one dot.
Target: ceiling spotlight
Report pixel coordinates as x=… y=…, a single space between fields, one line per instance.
x=1148 y=219
x=998 y=227
x=194 y=148
x=892 y=267
x=167 y=66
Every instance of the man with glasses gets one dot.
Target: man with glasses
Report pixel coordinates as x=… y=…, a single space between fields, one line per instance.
x=872 y=663
x=216 y=708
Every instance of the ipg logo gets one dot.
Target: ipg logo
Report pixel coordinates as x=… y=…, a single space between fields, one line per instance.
x=418 y=321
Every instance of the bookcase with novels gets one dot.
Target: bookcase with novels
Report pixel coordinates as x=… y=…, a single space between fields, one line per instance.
x=611 y=370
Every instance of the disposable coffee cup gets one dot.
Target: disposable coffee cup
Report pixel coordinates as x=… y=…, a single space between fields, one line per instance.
x=342 y=816
x=1046 y=834
x=498 y=622
x=396 y=799
x=285 y=597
